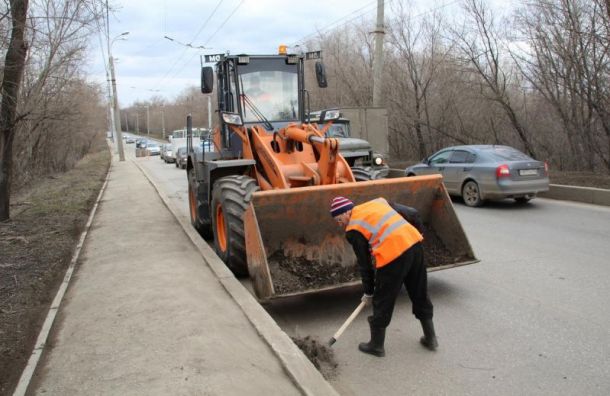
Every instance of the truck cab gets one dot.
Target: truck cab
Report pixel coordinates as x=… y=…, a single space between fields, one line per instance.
x=365 y=163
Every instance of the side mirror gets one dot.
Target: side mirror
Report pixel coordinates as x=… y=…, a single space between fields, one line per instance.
x=207 y=80
x=321 y=75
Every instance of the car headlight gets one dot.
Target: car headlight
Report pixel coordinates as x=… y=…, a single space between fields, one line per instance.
x=378 y=160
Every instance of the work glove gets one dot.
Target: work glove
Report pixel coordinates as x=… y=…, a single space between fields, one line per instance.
x=367 y=299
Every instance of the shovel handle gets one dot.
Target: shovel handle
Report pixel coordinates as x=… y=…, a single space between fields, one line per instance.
x=349 y=320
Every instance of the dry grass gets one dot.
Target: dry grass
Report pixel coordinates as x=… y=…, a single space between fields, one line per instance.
x=47 y=218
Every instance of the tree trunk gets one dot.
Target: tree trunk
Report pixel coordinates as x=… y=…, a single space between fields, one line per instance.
x=11 y=83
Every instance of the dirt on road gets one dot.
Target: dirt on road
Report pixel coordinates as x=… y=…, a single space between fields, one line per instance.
x=322 y=356
x=37 y=244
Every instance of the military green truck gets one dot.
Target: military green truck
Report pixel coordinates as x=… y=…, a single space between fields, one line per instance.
x=365 y=162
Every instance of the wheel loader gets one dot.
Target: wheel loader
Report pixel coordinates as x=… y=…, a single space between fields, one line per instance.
x=262 y=190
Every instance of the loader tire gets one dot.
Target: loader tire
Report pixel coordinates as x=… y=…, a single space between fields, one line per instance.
x=230 y=198
x=204 y=229
x=365 y=173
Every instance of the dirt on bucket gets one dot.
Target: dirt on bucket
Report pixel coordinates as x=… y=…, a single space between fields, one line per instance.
x=297 y=274
x=436 y=253
x=322 y=356
x=291 y=274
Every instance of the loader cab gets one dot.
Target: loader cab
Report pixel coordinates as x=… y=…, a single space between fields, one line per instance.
x=259 y=88
x=264 y=90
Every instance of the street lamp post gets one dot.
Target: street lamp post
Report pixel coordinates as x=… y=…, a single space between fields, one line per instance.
x=117 y=110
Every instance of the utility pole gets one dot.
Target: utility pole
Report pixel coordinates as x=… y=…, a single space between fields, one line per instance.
x=117 y=111
x=378 y=59
x=147 y=121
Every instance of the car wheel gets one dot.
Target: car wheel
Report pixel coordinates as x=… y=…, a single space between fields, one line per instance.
x=410 y=174
x=176 y=164
x=365 y=174
x=471 y=194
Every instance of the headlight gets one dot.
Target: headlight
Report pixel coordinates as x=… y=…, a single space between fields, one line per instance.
x=330 y=115
x=378 y=160
x=232 y=118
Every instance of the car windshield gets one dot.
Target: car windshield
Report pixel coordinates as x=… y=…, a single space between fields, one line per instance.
x=337 y=130
x=508 y=154
x=269 y=87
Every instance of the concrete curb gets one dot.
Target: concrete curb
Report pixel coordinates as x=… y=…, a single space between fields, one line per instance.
x=596 y=196
x=302 y=372
x=30 y=368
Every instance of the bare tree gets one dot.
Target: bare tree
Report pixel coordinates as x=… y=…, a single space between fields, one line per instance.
x=480 y=46
x=418 y=55
x=567 y=63
x=14 y=65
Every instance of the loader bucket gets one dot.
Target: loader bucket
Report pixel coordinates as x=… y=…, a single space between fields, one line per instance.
x=294 y=246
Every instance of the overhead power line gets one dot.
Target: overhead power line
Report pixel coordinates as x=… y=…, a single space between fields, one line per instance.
x=369 y=8
x=184 y=51
x=211 y=37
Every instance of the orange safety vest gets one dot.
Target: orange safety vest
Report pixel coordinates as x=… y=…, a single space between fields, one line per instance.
x=388 y=233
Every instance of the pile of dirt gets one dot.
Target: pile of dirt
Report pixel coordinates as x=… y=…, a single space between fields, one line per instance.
x=294 y=274
x=37 y=244
x=322 y=357
x=291 y=274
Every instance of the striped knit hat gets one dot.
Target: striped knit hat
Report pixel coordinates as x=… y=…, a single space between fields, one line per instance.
x=340 y=205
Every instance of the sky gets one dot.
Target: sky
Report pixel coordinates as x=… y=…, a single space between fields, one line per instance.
x=148 y=64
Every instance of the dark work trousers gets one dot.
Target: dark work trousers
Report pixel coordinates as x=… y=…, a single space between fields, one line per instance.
x=407 y=269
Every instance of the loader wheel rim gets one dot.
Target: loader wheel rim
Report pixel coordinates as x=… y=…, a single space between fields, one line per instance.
x=192 y=204
x=220 y=229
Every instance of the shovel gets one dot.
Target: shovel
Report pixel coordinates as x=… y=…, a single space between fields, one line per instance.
x=347 y=323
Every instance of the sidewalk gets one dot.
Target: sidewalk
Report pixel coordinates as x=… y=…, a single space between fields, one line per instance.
x=145 y=315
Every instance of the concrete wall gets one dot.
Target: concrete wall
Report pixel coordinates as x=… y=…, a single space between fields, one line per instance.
x=597 y=196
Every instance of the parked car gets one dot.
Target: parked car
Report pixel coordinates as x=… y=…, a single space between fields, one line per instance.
x=129 y=140
x=153 y=148
x=169 y=155
x=163 y=150
x=141 y=143
x=486 y=172
x=181 y=158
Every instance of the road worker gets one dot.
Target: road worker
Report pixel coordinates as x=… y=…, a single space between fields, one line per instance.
x=386 y=239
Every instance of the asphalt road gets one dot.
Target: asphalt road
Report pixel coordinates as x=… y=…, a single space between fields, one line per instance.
x=528 y=319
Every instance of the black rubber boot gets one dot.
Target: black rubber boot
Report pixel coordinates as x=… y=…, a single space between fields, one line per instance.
x=375 y=345
x=429 y=339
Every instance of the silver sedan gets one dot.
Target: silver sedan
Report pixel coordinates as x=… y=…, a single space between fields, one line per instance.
x=481 y=172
